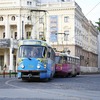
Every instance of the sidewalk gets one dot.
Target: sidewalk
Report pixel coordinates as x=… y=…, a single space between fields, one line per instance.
x=89 y=70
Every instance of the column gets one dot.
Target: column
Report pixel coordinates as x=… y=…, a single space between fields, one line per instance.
x=23 y=29
x=11 y=67
x=33 y=35
x=7 y=28
x=47 y=34
x=6 y=58
x=18 y=27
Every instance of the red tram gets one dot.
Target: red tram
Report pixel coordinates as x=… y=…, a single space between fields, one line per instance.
x=67 y=65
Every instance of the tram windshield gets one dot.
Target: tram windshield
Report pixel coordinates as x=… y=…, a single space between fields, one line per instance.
x=30 y=51
x=61 y=59
x=57 y=59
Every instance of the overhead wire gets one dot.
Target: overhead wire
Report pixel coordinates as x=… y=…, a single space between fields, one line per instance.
x=92 y=8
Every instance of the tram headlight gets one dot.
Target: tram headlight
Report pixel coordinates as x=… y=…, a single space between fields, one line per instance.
x=38 y=66
x=22 y=66
x=44 y=65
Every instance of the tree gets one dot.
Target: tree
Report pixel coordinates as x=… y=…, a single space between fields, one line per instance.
x=98 y=27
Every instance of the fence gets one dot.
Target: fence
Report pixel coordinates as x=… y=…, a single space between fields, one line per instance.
x=9 y=73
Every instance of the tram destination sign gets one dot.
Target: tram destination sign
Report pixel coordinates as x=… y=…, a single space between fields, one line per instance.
x=4 y=43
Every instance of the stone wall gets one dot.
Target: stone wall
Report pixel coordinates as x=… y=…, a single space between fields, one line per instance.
x=85 y=69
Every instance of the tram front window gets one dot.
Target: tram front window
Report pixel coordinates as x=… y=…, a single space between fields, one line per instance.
x=57 y=59
x=31 y=51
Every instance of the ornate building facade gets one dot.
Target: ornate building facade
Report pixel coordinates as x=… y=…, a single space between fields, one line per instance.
x=73 y=30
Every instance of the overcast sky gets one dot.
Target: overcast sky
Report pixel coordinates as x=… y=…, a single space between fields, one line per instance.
x=90 y=8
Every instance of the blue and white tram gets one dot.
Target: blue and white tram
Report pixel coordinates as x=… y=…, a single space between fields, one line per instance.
x=35 y=59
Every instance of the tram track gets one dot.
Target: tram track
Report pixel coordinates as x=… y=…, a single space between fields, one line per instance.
x=8 y=82
x=38 y=90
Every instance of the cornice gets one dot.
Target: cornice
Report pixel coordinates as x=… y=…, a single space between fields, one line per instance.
x=59 y=9
x=14 y=8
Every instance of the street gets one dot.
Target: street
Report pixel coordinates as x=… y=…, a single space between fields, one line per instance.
x=82 y=87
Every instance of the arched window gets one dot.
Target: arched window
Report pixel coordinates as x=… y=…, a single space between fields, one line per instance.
x=13 y=18
x=1 y=18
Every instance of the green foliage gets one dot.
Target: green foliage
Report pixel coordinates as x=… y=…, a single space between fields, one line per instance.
x=98 y=23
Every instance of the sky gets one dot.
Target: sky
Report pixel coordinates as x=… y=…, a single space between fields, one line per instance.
x=90 y=8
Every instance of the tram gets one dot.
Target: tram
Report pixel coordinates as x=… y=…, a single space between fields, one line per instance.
x=36 y=59
x=66 y=65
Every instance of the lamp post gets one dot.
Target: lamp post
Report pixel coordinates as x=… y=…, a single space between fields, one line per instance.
x=68 y=51
x=22 y=29
x=62 y=38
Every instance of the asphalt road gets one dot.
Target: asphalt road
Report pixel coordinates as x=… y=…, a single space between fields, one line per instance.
x=82 y=87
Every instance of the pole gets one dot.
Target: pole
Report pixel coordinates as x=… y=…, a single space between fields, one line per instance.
x=22 y=30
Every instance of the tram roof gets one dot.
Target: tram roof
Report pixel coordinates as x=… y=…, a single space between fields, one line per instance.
x=66 y=54
x=33 y=42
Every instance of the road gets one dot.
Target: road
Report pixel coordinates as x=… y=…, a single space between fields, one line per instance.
x=82 y=87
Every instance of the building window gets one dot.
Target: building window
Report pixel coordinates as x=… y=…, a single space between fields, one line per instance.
x=13 y=18
x=15 y=36
x=69 y=0
x=29 y=3
x=1 y=18
x=66 y=33
x=29 y=17
x=63 y=0
x=41 y=20
x=14 y=62
x=4 y=35
x=41 y=35
x=28 y=35
x=66 y=18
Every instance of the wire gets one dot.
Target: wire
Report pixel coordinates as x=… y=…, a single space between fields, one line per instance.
x=92 y=8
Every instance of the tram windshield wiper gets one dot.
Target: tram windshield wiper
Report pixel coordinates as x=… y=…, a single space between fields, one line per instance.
x=29 y=58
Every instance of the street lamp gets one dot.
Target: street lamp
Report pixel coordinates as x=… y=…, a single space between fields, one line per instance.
x=63 y=36
x=68 y=51
x=62 y=39
x=22 y=29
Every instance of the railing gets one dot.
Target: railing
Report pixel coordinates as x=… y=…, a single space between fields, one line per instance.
x=10 y=73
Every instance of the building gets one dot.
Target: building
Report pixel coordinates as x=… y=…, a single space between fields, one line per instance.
x=18 y=19
x=68 y=29
x=62 y=24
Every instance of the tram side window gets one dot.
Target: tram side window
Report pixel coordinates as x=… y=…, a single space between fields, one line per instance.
x=50 y=53
x=61 y=60
x=64 y=59
x=76 y=61
x=73 y=60
x=44 y=52
x=68 y=60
